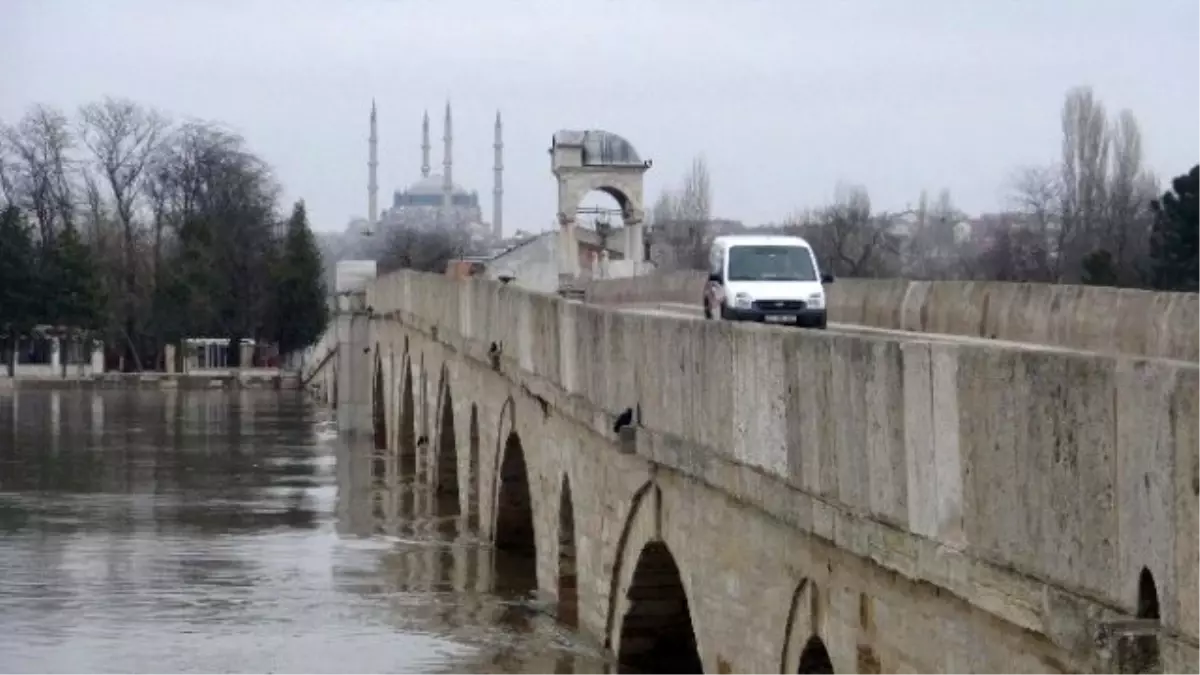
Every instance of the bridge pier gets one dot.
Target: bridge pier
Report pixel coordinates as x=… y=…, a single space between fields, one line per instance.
x=354 y=364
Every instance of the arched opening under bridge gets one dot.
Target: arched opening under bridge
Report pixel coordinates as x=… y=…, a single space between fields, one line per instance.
x=568 y=584
x=657 y=634
x=447 y=456
x=814 y=658
x=516 y=547
x=407 y=440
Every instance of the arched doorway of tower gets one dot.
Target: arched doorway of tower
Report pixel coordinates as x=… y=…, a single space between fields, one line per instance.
x=657 y=635
x=602 y=236
x=516 y=548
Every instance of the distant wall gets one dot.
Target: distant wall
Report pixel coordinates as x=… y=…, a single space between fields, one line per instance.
x=1147 y=323
x=533 y=265
x=686 y=286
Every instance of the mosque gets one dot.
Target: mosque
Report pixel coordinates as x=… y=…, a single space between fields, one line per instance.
x=435 y=201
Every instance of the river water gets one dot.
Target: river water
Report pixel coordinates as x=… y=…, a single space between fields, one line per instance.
x=210 y=531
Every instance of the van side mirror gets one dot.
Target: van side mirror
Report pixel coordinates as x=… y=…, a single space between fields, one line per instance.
x=714 y=277
x=827 y=278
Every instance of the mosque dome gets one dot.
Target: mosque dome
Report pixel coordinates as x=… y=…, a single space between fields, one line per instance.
x=432 y=185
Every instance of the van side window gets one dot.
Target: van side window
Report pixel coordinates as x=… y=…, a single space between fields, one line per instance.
x=714 y=260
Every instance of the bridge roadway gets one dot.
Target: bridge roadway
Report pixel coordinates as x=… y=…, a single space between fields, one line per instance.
x=790 y=500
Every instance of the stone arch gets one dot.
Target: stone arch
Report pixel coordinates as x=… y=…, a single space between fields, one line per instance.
x=473 y=473
x=814 y=658
x=1147 y=604
x=636 y=519
x=423 y=400
x=407 y=437
x=333 y=390
x=657 y=635
x=803 y=646
x=513 y=532
x=1144 y=655
x=489 y=484
x=378 y=405
x=589 y=161
x=446 y=464
x=390 y=416
x=568 y=580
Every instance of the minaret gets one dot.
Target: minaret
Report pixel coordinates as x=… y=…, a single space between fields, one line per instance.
x=372 y=170
x=498 y=187
x=425 y=146
x=447 y=162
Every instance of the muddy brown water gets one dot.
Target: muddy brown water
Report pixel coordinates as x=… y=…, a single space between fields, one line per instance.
x=213 y=531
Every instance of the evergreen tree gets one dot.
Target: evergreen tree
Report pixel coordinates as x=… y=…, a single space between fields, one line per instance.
x=18 y=282
x=70 y=284
x=1173 y=250
x=299 y=310
x=1099 y=269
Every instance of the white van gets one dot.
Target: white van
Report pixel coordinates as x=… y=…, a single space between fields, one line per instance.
x=774 y=279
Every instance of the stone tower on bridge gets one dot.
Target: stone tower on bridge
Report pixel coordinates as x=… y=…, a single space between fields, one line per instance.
x=586 y=161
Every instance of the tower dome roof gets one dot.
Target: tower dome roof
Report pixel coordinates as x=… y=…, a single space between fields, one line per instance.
x=432 y=185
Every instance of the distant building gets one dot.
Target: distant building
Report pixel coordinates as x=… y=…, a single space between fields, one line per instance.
x=435 y=201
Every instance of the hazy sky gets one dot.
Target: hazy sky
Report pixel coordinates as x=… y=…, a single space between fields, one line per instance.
x=784 y=97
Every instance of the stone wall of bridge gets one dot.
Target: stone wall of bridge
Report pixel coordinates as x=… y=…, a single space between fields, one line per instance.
x=1034 y=489
x=1088 y=318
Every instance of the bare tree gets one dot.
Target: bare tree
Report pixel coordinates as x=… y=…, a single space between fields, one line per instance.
x=38 y=170
x=1085 y=148
x=1130 y=190
x=8 y=189
x=849 y=239
x=931 y=246
x=421 y=250
x=1036 y=195
x=1012 y=251
x=122 y=136
x=682 y=221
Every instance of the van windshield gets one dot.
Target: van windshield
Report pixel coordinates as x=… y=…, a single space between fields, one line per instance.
x=771 y=263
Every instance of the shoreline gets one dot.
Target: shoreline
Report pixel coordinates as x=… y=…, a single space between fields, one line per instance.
x=258 y=378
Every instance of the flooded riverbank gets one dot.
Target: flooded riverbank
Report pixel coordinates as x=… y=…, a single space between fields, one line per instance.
x=226 y=531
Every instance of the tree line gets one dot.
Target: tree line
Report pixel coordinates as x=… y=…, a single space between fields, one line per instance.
x=122 y=225
x=1096 y=215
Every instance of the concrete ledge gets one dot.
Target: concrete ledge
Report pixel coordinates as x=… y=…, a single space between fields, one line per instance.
x=1112 y=320
x=1127 y=321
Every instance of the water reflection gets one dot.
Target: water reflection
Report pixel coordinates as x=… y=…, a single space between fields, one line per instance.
x=224 y=532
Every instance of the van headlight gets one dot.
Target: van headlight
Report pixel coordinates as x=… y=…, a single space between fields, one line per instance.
x=816 y=301
x=743 y=301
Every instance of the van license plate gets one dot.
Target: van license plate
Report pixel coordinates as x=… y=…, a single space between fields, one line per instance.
x=780 y=318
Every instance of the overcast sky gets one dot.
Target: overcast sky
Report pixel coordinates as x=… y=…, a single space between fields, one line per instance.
x=784 y=97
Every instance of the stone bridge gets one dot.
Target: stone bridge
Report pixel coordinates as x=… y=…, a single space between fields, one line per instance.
x=797 y=501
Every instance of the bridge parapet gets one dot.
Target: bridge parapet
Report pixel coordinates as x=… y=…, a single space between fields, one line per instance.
x=1075 y=471
x=1088 y=318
